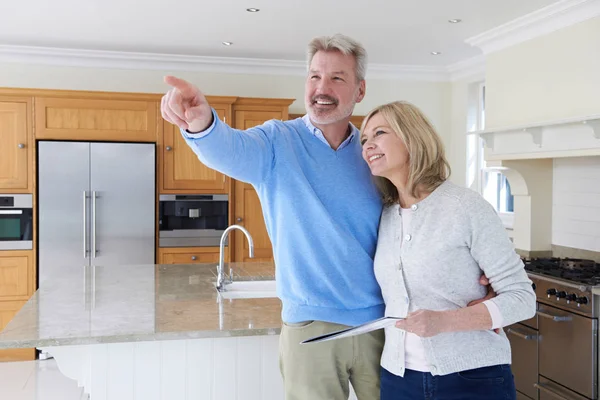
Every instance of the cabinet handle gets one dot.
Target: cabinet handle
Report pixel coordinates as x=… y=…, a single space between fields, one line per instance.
x=555 y=318
x=169 y=148
x=21 y=145
x=239 y=219
x=225 y=119
x=194 y=258
x=548 y=391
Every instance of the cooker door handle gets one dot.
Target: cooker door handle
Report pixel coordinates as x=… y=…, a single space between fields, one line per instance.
x=547 y=390
x=555 y=318
x=516 y=333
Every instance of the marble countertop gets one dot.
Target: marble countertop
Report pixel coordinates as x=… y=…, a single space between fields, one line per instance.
x=112 y=304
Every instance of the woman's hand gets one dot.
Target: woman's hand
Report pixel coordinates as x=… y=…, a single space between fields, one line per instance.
x=424 y=323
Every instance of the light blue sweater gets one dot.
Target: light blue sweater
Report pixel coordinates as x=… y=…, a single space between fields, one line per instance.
x=321 y=211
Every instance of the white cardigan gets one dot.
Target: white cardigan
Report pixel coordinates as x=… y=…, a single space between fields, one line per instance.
x=455 y=235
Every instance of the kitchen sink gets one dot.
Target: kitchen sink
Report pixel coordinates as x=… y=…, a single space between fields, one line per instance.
x=249 y=290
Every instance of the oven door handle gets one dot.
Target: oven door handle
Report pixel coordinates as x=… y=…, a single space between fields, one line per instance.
x=11 y=212
x=521 y=335
x=555 y=318
x=549 y=391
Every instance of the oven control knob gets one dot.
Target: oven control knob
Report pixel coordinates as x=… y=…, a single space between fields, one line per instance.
x=571 y=297
x=581 y=300
x=561 y=295
x=551 y=292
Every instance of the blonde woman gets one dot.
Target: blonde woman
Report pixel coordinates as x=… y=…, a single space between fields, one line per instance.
x=435 y=241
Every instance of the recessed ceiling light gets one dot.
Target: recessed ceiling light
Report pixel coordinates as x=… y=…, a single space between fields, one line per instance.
x=227 y=43
x=436 y=53
x=252 y=9
x=454 y=21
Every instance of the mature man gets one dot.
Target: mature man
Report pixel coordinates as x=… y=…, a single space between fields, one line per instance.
x=321 y=211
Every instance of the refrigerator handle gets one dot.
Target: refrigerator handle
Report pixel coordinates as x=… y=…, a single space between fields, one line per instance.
x=85 y=250
x=94 y=250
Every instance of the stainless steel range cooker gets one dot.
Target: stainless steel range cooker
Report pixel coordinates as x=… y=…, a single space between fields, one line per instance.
x=555 y=354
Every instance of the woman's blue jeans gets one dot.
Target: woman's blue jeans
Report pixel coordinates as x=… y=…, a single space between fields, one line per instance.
x=487 y=383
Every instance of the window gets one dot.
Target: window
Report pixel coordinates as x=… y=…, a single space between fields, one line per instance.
x=490 y=182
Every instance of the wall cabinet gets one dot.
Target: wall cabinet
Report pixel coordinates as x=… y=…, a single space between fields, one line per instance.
x=122 y=118
x=247 y=209
x=16 y=149
x=181 y=171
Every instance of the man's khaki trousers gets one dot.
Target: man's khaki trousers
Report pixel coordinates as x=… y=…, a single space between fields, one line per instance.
x=321 y=371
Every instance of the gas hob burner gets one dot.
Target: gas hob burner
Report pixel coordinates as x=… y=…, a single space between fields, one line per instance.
x=581 y=271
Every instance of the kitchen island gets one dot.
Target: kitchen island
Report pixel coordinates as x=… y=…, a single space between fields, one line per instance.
x=155 y=332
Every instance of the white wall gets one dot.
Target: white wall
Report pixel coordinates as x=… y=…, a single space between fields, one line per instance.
x=432 y=97
x=428 y=95
x=551 y=77
x=576 y=203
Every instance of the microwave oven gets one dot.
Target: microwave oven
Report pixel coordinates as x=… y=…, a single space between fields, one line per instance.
x=16 y=222
x=192 y=220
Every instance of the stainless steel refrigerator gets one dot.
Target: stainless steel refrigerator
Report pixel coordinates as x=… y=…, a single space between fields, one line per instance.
x=96 y=205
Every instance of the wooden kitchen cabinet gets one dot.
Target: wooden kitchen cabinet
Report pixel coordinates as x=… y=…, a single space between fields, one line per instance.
x=182 y=172
x=190 y=255
x=8 y=309
x=16 y=274
x=17 y=284
x=247 y=209
x=16 y=145
x=129 y=118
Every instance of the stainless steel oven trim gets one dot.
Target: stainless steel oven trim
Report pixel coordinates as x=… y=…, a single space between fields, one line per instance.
x=20 y=200
x=580 y=287
x=193 y=197
x=16 y=245
x=191 y=233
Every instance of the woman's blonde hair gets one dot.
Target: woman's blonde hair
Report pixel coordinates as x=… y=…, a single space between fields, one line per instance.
x=428 y=167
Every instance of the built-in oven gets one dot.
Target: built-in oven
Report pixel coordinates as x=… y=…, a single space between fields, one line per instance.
x=568 y=351
x=524 y=338
x=192 y=220
x=16 y=222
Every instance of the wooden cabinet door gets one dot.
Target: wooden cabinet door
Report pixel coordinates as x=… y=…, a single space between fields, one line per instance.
x=16 y=286
x=182 y=171
x=16 y=161
x=112 y=119
x=16 y=275
x=247 y=208
x=8 y=309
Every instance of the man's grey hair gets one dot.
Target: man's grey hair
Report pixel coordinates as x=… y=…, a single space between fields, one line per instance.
x=344 y=45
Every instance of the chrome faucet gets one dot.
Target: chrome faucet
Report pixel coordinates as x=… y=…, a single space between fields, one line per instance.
x=220 y=275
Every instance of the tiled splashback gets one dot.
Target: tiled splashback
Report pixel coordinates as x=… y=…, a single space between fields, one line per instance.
x=576 y=203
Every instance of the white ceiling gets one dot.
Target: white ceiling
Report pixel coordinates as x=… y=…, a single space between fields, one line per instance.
x=399 y=32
